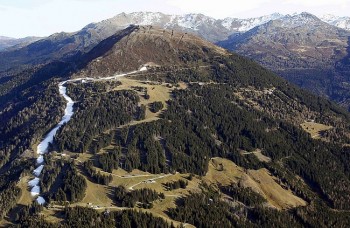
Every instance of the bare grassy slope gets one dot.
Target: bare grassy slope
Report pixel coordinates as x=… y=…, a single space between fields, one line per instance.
x=224 y=172
x=144 y=44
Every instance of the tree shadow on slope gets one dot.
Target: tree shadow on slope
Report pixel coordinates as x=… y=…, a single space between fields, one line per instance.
x=66 y=67
x=342 y=89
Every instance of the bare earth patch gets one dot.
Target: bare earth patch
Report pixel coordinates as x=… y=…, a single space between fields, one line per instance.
x=273 y=192
x=26 y=198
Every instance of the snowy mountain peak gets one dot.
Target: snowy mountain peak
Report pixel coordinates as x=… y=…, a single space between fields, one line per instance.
x=341 y=22
x=299 y=19
x=243 y=25
x=329 y=17
x=210 y=28
x=197 y=22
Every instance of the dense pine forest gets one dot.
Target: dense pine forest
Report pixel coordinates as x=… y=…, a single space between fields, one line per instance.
x=86 y=217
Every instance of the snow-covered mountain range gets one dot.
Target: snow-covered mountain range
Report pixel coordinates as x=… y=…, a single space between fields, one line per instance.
x=195 y=21
x=209 y=28
x=341 y=22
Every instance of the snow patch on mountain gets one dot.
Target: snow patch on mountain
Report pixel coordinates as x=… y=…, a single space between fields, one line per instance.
x=147 y=18
x=189 y=21
x=295 y=20
x=243 y=25
x=341 y=22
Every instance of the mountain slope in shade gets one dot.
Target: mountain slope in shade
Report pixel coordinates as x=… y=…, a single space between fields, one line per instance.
x=303 y=49
x=57 y=46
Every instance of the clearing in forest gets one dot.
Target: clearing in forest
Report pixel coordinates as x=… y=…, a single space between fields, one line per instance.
x=156 y=92
x=315 y=129
x=258 y=154
x=226 y=172
x=25 y=198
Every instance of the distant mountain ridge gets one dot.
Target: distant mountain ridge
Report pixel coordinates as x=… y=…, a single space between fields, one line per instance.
x=7 y=42
x=341 y=22
x=191 y=22
x=303 y=49
x=293 y=46
x=207 y=27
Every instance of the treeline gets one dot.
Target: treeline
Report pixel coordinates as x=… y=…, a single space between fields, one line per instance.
x=188 y=140
x=242 y=194
x=96 y=176
x=156 y=106
x=207 y=209
x=9 y=192
x=176 y=184
x=203 y=210
x=23 y=214
x=29 y=115
x=84 y=217
x=50 y=172
x=90 y=88
x=73 y=187
x=144 y=197
x=76 y=217
x=110 y=160
x=8 y=198
x=100 y=142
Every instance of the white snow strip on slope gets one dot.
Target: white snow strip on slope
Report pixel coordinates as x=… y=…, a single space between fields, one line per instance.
x=40 y=160
x=68 y=113
x=38 y=170
x=40 y=200
x=34 y=182
x=35 y=191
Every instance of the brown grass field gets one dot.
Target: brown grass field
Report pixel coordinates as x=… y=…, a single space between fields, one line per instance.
x=220 y=171
x=261 y=181
x=156 y=92
x=26 y=198
x=314 y=129
x=258 y=154
x=273 y=192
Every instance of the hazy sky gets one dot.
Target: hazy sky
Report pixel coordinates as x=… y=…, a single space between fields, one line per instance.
x=19 y=18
